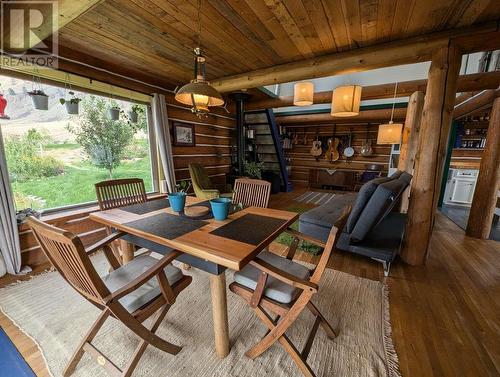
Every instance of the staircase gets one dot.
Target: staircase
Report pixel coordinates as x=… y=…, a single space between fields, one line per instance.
x=268 y=144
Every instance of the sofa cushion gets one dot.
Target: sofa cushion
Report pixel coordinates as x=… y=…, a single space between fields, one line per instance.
x=275 y=289
x=325 y=215
x=378 y=206
x=365 y=193
x=383 y=242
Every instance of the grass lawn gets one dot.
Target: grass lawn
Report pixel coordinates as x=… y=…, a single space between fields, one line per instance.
x=76 y=185
x=286 y=239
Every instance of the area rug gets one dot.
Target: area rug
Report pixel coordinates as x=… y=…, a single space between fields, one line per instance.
x=50 y=312
x=315 y=197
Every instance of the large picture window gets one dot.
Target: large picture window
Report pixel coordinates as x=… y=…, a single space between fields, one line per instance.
x=54 y=159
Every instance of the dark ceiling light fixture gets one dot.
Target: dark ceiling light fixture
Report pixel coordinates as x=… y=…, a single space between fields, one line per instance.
x=199 y=94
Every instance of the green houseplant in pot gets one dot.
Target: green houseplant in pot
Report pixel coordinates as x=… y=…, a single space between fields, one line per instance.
x=72 y=104
x=133 y=114
x=178 y=199
x=253 y=169
x=114 y=113
x=40 y=99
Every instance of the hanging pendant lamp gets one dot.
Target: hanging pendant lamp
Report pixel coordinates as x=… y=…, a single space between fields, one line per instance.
x=390 y=133
x=303 y=93
x=346 y=101
x=199 y=94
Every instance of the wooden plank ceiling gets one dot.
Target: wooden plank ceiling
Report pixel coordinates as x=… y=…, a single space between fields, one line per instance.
x=153 y=39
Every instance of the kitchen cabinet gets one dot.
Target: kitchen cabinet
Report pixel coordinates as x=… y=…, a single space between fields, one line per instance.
x=460 y=186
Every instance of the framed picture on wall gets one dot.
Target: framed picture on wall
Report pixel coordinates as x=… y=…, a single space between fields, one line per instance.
x=183 y=134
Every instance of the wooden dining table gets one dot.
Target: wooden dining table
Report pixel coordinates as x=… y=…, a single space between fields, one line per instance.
x=207 y=244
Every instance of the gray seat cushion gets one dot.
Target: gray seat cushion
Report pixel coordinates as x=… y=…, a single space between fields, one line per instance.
x=318 y=221
x=147 y=292
x=379 y=205
x=326 y=214
x=382 y=242
x=275 y=289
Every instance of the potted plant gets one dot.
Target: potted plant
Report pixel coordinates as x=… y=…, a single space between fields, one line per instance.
x=134 y=112
x=254 y=169
x=72 y=104
x=40 y=99
x=114 y=113
x=178 y=199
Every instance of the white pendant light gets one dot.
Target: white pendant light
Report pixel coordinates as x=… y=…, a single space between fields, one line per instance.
x=346 y=100
x=390 y=133
x=303 y=93
x=199 y=94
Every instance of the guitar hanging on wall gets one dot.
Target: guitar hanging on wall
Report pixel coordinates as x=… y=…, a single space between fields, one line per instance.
x=316 y=150
x=332 y=153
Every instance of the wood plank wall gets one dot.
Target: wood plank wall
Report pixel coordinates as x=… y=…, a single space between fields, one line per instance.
x=213 y=140
x=302 y=161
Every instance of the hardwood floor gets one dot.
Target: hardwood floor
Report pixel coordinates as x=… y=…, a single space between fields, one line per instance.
x=445 y=316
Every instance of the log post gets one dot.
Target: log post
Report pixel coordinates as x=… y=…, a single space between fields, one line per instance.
x=409 y=140
x=485 y=195
x=434 y=133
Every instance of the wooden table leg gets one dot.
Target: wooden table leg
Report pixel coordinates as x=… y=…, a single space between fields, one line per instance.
x=219 y=311
x=127 y=251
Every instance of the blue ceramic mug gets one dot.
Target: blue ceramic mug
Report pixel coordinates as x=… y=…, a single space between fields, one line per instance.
x=220 y=208
x=177 y=200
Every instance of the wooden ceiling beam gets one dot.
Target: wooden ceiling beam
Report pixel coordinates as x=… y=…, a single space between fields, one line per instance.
x=365 y=116
x=412 y=50
x=479 y=102
x=466 y=83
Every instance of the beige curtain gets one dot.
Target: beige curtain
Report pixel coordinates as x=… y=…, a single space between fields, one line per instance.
x=9 y=238
x=163 y=140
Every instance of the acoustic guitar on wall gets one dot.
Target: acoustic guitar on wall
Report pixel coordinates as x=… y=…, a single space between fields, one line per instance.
x=316 y=150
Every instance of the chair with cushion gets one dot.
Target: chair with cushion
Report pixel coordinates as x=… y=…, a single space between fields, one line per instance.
x=274 y=285
x=116 y=193
x=203 y=187
x=130 y=294
x=251 y=192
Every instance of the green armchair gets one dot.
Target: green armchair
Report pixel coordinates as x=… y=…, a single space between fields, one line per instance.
x=203 y=187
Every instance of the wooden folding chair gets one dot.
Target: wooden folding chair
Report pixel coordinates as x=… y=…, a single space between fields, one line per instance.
x=120 y=193
x=130 y=293
x=278 y=285
x=251 y=192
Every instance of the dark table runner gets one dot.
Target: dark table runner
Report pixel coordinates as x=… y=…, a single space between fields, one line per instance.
x=250 y=228
x=166 y=225
x=142 y=208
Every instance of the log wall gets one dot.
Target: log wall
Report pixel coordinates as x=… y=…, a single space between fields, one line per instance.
x=302 y=161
